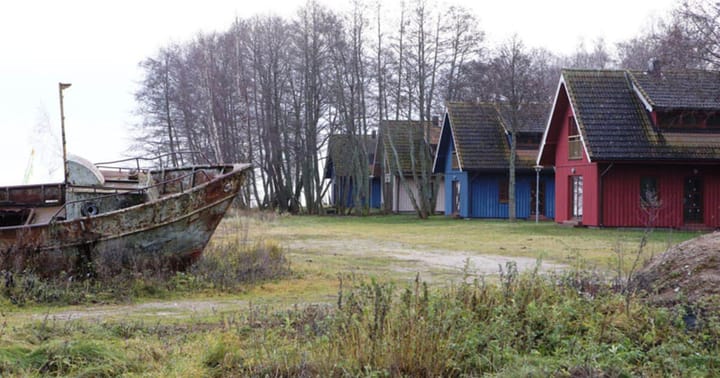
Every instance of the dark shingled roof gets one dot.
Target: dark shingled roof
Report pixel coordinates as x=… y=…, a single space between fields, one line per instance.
x=615 y=125
x=687 y=89
x=480 y=138
x=407 y=136
x=340 y=152
x=532 y=117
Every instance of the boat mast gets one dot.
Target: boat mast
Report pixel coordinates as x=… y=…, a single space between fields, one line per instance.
x=62 y=86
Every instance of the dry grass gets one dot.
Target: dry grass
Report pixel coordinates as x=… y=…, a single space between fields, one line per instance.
x=348 y=241
x=380 y=322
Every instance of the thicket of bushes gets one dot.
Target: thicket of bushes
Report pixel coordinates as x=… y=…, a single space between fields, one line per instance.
x=570 y=324
x=524 y=325
x=527 y=325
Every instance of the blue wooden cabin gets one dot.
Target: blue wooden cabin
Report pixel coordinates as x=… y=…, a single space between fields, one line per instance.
x=474 y=154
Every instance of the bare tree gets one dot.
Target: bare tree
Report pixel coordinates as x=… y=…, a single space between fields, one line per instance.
x=406 y=144
x=271 y=91
x=597 y=57
x=517 y=80
x=465 y=45
x=681 y=40
x=696 y=28
x=400 y=48
x=421 y=55
x=155 y=104
x=314 y=26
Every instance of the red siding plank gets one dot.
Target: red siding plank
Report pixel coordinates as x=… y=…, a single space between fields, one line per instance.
x=621 y=195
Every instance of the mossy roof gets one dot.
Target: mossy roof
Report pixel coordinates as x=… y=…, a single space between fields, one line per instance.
x=342 y=149
x=480 y=133
x=408 y=138
x=610 y=111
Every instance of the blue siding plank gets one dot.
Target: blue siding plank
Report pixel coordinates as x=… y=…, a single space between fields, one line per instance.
x=375 y=188
x=485 y=196
x=550 y=196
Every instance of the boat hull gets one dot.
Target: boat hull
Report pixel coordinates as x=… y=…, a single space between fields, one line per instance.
x=167 y=233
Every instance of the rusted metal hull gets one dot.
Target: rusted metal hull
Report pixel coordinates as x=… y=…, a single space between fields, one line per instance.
x=169 y=232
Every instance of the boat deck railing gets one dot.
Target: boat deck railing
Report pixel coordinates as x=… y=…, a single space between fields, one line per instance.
x=160 y=162
x=32 y=195
x=118 y=191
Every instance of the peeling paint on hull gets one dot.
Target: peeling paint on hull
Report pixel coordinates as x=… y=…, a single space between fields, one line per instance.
x=168 y=232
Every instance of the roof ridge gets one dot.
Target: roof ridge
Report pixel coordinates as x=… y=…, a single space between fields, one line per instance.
x=477 y=103
x=677 y=70
x=592 y=70
x=648 y=129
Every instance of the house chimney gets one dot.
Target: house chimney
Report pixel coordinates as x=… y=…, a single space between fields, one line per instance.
x=654 y=66
x=373 y=134
x=436 y=121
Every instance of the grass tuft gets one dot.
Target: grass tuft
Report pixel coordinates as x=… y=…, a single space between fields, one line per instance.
x=228 y=263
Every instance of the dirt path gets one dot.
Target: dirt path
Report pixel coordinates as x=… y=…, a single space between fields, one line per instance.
x=401 y=258
x=418 y=258
x=161 y=309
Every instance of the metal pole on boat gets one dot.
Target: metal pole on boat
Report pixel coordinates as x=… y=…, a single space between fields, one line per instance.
x=62 y=86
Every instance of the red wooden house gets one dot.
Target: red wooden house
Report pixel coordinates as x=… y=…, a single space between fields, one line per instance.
x=636 y=148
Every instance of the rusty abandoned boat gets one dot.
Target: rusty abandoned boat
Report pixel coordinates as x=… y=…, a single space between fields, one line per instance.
x=119 y=216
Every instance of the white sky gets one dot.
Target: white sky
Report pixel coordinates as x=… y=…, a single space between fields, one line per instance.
x=97 y=45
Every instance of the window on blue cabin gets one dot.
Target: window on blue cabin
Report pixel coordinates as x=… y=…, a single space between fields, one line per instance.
x=528 y=141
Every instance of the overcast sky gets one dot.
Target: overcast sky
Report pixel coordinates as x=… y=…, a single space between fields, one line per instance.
x=97 y=45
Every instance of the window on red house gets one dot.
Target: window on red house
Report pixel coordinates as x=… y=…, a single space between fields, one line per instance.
x=576 y=200
x=649 y=193
x=713 y=121
x=575 y=147
x=687 y=119
x=572 y=127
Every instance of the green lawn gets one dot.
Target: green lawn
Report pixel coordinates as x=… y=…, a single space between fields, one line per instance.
x=591 y=248
x=292 y=326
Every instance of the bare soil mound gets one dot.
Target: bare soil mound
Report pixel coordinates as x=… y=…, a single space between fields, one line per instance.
x=687 y=273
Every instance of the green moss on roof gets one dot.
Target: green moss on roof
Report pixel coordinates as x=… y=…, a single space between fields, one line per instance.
x=615 y=124
x=342 y=148
x=679 y=89
x=480 y=137
x=408 y=138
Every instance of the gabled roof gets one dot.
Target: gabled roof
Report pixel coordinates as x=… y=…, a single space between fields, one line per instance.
x=406 y=137
x=340 y=153
x=480 y=134
x=610 y=111
x=608 y=114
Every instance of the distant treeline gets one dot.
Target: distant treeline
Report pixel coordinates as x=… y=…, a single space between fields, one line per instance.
x=270 y=90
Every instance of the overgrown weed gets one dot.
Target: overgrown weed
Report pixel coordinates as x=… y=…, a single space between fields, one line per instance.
x=525 y=325
x=228 y=264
